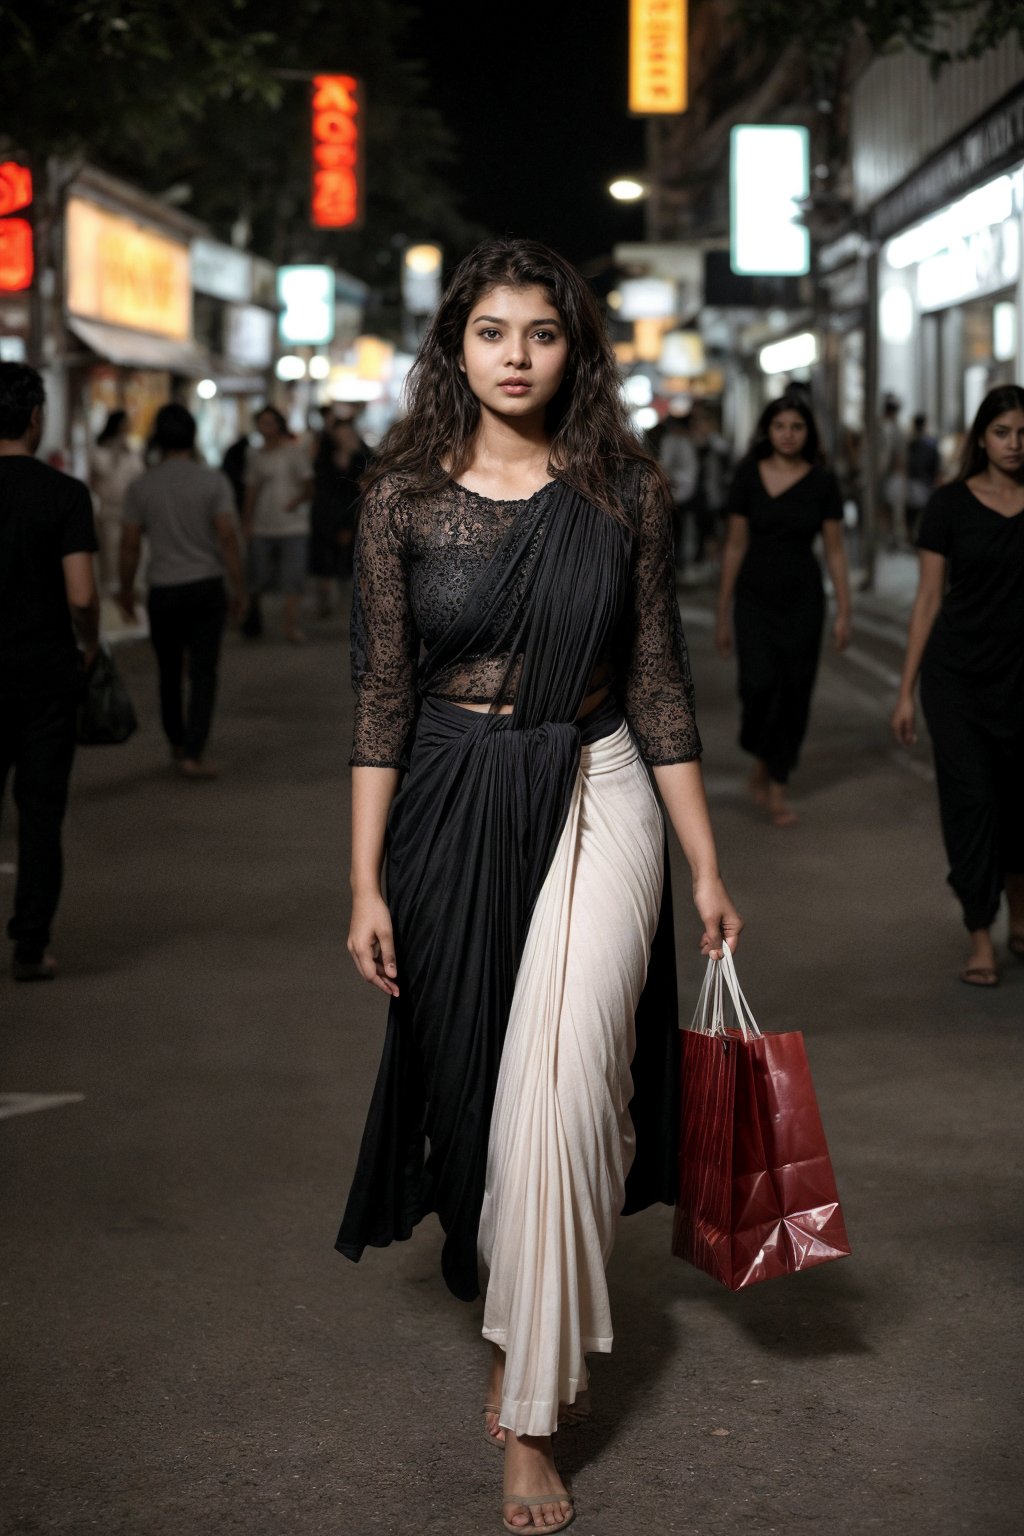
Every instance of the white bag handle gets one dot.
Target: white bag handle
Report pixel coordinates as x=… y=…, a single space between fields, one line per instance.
x=709 y=1016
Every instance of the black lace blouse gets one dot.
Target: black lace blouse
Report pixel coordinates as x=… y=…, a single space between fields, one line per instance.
x=417 y=559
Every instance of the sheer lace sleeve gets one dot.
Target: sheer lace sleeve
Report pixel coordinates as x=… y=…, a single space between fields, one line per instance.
x=657 y=689
x=385 y=642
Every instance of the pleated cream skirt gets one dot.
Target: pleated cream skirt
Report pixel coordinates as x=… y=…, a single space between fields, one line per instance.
x=561 y=1140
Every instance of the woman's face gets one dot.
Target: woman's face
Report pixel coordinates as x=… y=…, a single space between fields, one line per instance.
x=514 y=351
x=1004 y=442
x=787 y=434
x=267 y=427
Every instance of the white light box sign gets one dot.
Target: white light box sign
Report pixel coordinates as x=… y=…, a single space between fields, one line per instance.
x=769 y=175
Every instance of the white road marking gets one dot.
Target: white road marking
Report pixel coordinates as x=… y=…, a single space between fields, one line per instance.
x=27 y=1103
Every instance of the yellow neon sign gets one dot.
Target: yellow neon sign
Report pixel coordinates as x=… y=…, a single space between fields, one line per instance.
x=657 y=56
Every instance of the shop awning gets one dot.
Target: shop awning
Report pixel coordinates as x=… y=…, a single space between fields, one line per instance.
x=134 y=349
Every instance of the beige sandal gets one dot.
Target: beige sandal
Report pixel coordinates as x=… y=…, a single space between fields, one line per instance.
x=499 y=1445
x=542 y=1498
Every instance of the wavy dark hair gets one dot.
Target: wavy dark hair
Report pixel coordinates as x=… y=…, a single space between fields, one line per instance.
x=111 y=427
x=1005 y=397
x=761 y=443
x=592 y=438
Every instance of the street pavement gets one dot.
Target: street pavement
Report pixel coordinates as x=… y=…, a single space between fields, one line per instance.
x=183 y=1350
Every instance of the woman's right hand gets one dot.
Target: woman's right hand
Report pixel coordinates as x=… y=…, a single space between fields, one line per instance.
x=903 y=722
x=723 y=638
x=371 y=942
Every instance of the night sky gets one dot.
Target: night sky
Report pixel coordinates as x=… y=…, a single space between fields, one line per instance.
x=537 y=98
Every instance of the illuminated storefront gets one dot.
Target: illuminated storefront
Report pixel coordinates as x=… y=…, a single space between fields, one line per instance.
x=127 y=287
x=948 y=310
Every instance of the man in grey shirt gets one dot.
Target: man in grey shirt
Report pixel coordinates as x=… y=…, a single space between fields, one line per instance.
x=188 y=514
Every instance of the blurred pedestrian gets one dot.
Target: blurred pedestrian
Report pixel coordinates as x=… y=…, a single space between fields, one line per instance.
x=922 y=470
x=516 y=524
x=187 y=513
x=706 y=506
x=114 y=464
x=48 y=598
x=678 y=459
x=771 y=591
x=340 y=462
x=966 y=641
x=279 y=485
x=892 y=472
x=233 y=465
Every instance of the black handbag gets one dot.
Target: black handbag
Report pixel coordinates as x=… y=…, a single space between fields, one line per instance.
x=106 y=715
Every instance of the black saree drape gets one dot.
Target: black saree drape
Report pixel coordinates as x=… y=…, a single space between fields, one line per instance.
x=470 y=838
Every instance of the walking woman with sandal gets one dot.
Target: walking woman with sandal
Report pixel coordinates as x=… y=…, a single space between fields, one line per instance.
x=781 y=499
x=966 y=642
x=514 y=529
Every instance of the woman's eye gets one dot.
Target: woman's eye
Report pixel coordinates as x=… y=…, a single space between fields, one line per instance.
x=544 y=335
x=487 y=335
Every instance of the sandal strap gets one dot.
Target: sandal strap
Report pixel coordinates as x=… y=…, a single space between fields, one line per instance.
x=537 y=1498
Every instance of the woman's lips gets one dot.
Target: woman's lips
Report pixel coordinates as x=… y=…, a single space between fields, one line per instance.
x=514 y=386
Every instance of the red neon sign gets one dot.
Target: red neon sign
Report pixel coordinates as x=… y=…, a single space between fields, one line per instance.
x=16 y=264
x=15 y=187
x=337 y=192
x=16 y=259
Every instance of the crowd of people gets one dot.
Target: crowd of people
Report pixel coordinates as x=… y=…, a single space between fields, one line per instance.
x=523 y=686
x=281 y=513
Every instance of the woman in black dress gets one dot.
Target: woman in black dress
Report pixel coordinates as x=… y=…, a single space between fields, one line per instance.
x=515 y=531
x=966 y=641
x=781 y=499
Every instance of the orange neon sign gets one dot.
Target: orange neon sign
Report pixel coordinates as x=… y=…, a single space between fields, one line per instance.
x=657 y=56
x=337 y=190
x=17 y=263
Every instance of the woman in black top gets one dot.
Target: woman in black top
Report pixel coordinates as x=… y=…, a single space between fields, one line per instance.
x=967 y=642
x=781 y=499
x=515 y=532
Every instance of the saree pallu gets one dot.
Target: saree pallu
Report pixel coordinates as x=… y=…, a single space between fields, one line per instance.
x=471 y=837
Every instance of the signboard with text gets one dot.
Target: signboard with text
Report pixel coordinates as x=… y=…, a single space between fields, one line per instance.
x=336 y=200
x=128 y=274
x=769 y=179
x=17 y=263
x=657 y=56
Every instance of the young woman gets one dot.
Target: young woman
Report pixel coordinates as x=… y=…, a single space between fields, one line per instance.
x=966 y=640
x=514 y=526
x=781 y=499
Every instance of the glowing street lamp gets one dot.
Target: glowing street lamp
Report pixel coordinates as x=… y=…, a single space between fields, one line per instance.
x=626 y=189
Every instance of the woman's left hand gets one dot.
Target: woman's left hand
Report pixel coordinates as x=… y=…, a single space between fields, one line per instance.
x=718 y=914
x=841 y=632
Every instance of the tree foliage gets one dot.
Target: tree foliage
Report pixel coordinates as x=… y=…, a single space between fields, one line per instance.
x=824 y=29
x=210 y=105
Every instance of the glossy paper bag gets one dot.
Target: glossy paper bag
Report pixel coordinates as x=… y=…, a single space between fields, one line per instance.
x=757 y=1195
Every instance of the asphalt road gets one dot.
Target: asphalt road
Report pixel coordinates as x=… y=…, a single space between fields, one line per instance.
x=183 y=1350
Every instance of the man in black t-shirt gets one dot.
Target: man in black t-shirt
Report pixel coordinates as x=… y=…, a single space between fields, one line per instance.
x=47 y=598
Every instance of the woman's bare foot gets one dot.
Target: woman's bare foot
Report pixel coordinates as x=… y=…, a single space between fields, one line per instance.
x=530 y=1469
x=197 y=768
x=495 y=1385
x=757 y=784
x=981 y=969
x=779 y=808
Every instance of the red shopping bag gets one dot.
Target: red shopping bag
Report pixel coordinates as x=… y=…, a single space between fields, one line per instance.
x=757 y=1195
